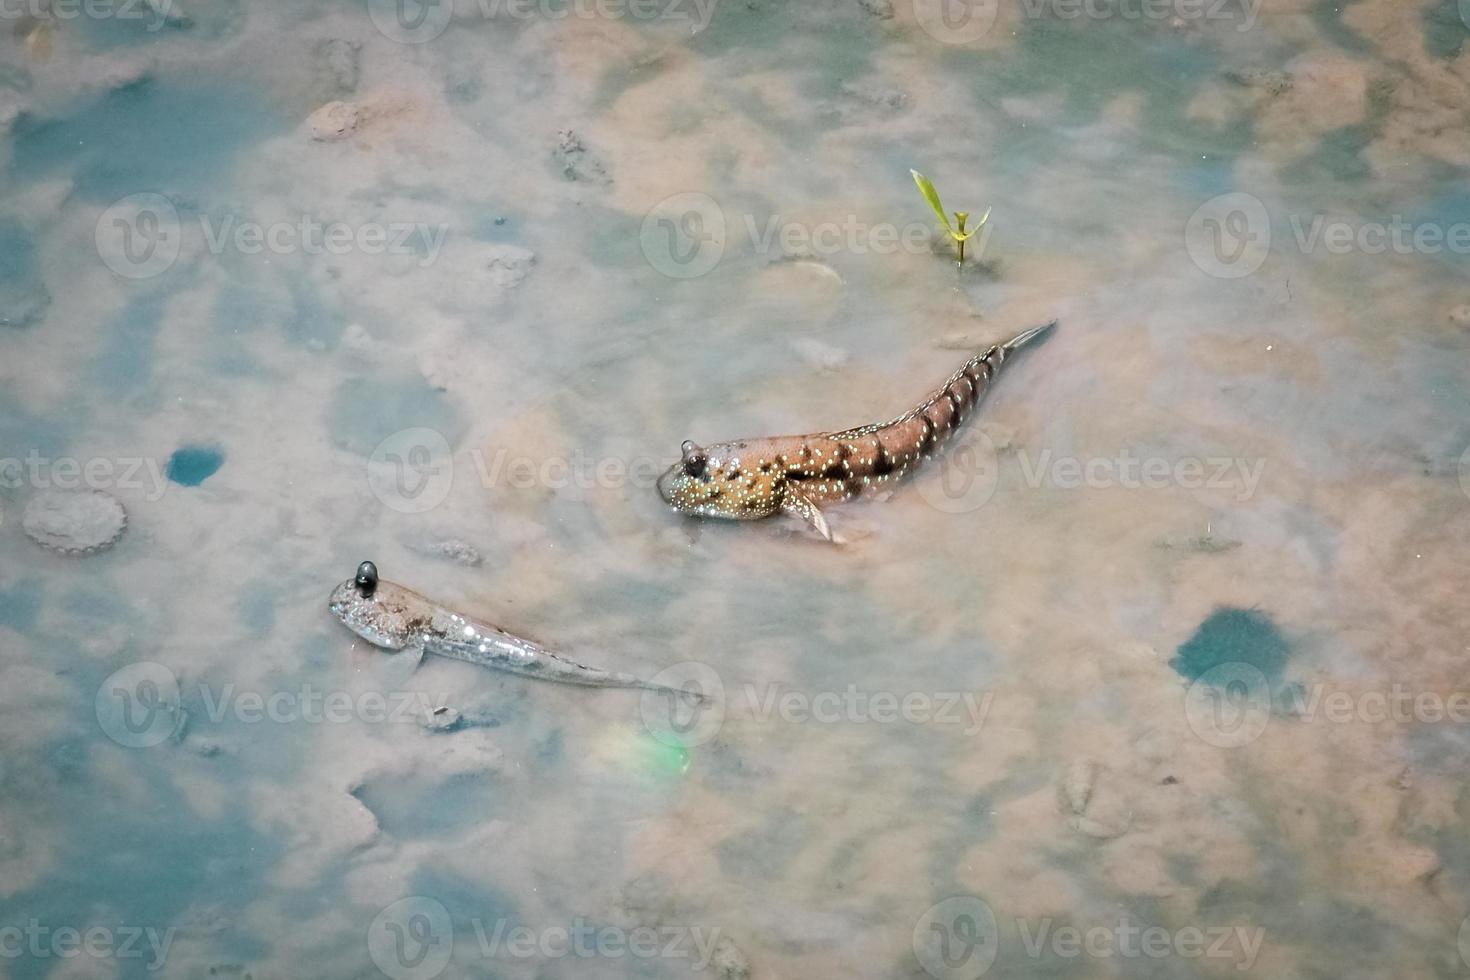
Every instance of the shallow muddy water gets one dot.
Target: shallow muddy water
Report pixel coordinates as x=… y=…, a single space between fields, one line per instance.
x=1157 y=670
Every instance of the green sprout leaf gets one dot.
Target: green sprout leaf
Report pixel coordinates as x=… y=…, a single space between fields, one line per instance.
x=978 y=225
x=926 y=187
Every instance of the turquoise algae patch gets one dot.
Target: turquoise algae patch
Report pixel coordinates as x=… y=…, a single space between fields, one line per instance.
x=23 y=299
x=190 y=466
x=1233 y=636
x=179 y=137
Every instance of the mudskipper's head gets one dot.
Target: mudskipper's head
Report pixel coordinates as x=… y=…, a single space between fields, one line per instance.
x=384 y=614
x=712 y=483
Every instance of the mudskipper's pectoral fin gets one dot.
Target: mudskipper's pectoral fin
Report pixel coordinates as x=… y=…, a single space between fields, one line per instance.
x=403 y=663
x=798 y=504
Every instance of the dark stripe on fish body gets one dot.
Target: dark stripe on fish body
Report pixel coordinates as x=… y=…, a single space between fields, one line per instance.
x=954 y=402
x=882 y=462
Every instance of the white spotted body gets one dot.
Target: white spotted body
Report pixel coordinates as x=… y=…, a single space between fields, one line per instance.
x=754 y=478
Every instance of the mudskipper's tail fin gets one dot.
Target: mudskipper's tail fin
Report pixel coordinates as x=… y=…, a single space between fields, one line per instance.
x=1026 y=337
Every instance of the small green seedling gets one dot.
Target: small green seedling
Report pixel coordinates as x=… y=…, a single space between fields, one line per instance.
x=957 y=230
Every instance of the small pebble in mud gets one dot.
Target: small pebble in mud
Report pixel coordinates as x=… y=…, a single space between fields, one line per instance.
x=1460 y=315
x=450 y=548
x=882 y=9
x=1099 y=829
x=441 y=719
x=74 y=522
x=880 y=96
x=1270 y=81
x=334 y=121
x=1077 y=785
x=577 y=162
x=190 y=466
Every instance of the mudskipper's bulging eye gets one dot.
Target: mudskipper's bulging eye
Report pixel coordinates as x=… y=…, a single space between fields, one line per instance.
x=695 y=460
x=367 y=579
